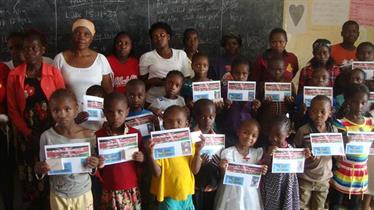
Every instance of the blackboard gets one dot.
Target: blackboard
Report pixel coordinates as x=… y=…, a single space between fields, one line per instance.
x=252 y=19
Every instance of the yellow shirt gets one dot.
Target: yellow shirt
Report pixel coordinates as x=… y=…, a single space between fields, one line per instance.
x=176 y=180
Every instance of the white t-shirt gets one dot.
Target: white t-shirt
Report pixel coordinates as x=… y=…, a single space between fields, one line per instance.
x=234 y=197
x=163 y=103
x=80 y=79
x=155 y=66
x=10 y=63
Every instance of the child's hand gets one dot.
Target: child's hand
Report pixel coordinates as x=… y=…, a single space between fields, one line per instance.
x=138 y=156
x=219 y=104
x=256 y=104
x=200 y=145
x=92 y=162
x=205 y=159
x=228 y=103
x=223 y=164
x=289 y=99
x=303 y=109
x=264 y=169
x=308 y=153
x=81 y=117
x=149 y=145
x=41 y=167
x=101 y=161
x=267 y=99
x=271 y=150
x=158 y=112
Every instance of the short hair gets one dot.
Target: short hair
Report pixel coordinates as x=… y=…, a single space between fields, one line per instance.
x=350 y=22
x=63 y=93
x=199 y=55
x=273 y=57
x=175 y=73
x=319 y=68
x=199 y=105
x=16 y=35
x=250 y=122
x=114 y=96
x=355 y=89
x=239 y=61
x=135 y=82
x=356 y=70
x=34 y=34
x=188 y=31
x=281 y=120
x=96 y=90
x=177 y=108
x=121 y=33
x=364 y=44
x=160 y=25
x=320 y=98
x=278 y=31
x=227 y=37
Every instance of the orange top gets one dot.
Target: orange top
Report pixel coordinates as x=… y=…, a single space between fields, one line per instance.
x=342 y=56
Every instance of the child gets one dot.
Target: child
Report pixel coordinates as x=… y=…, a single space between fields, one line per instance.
x=222 y=67
x=15 y=47
x=173 y=85
x=246 y=197
x=125 y=67
x=350 y=180
x=279 y=190
x=120 y=181
x=67 y=191
x=173 y=178
x=344 y=53
x=321 y=58
x=278 y=42
x=314 y=182
x=190 y=42
x=204 y=114
x=365 y=51
x=236 y=111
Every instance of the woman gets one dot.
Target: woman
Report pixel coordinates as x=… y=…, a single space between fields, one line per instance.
x=155 y=65
x=81 y=66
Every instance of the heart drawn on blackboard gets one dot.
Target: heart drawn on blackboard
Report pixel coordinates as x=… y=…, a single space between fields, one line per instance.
x=296 y=12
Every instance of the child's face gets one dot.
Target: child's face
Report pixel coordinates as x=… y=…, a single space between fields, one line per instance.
x=356 y=77
x=358 y=103
x=15 y=46
x=173 y=86
x=192 y=41
x=350 y=33
x=160 y=38
x=123 y=46
x=276 y=69
x=248 y=135
x=33 y=51
x=136 y=96
x=175 y=119
x=366 y=54
x=63 y=111
x=278 y=135
x=116 y=113
x=240 y=72
x=201 y=66
x=322 y=55
x=278 y=42
x=82 y=38
x=232 y=47
x=320 y=78
x=319 y=112
x=207 y=118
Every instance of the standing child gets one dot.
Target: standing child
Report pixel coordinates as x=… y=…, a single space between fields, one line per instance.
x=314 y=182
x=237 y=111
x=246 y=197
x=173 y=85
x=279 y=190
x=190 y=42
x=120 y=181
x=365 y=52
x=350 y=180
x=125 y=67
x=173 y=180
x=67 y=191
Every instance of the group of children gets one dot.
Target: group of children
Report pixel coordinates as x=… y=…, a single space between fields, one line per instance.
x=253 y=130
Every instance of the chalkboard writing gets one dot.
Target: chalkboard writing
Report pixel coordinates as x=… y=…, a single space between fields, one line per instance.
x=252 y=19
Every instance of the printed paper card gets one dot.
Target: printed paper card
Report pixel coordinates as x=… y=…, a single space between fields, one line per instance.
x=73 y=158
x=289 y=160
x=327 y=144
x=312 y=91
x=371 y=97
x=241 y=91
x=210 y=90
x=361 y=143
x=277 y=91
x=117 y=149
x=171 y=143
x=243 y=175
x=214 y=144
x=144 y=123
x=94 y=106
x=366 y=66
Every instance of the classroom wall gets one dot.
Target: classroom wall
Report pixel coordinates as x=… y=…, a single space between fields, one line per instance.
x=307 y=20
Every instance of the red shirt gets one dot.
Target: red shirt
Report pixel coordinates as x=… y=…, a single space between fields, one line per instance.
x=4 y=71
x=123 y=72
x=260 y=74
x=120 y=176
x=342 y=56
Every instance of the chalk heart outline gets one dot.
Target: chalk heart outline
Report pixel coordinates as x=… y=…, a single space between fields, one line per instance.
x=296 y=13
